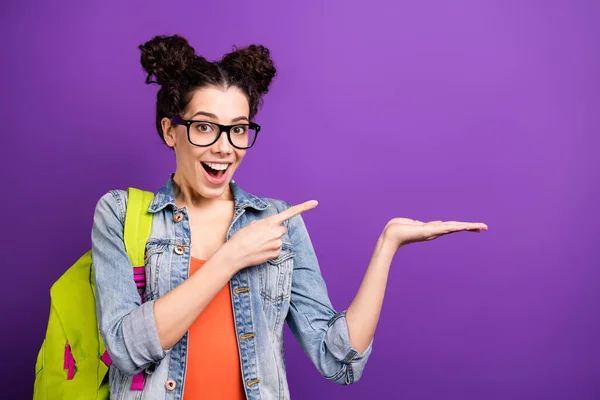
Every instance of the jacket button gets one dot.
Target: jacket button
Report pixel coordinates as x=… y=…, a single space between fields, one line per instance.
x=178 y=217
x=171 y=385
x=179 y=250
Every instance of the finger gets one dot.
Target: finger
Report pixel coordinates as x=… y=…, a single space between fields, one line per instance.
x=458 y=226
x=468 y=225
x=278 y=246
x=476 y=226
x=293 y=211
x=435 y=222
x=446 y=227
x=281 y=231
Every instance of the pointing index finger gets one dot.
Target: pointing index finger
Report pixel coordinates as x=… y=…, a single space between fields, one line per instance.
x=293 y=211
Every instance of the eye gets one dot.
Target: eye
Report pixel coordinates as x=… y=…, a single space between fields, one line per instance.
x=239 y=129
x=204 y=127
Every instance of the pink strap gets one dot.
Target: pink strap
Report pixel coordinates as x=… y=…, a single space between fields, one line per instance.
x=137 y=383
x=69 y=362
x=106 y=358
x=139 y=276
x=66 y=356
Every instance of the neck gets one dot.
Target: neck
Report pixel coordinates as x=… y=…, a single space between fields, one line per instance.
x=185 y=195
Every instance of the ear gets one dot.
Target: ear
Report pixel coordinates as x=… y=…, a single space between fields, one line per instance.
x=168 y=132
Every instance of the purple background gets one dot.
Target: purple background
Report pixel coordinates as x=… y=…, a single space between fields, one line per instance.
x=456 y=110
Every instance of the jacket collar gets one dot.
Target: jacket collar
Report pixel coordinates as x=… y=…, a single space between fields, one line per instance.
x=166 y=197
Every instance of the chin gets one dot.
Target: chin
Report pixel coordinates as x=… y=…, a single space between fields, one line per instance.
x=211 y=193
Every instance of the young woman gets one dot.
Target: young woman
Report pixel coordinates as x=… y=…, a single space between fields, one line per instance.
x=225 y=269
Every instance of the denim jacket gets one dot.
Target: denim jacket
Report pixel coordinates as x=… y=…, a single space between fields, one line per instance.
x=289 y=288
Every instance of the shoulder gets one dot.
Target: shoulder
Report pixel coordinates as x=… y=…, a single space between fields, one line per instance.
x=297 y=233
x=267 y=206
x=112 y=202
x=276 y=204
x=263 y=206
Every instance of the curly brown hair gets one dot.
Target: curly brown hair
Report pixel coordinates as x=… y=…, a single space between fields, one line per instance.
x=172 y=63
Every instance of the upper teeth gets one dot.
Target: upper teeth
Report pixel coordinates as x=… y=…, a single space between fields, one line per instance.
x=218 y=167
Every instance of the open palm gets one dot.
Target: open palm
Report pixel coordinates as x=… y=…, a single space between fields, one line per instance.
x=403 y=231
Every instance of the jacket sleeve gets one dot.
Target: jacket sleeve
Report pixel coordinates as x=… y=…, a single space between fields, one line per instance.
x=321 y=331
x=127 y=327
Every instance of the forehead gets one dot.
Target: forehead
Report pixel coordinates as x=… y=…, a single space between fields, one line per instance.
x=226 y=104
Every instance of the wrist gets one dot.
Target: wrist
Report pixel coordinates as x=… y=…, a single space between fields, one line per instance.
x=386 y=245
x=227 y=259
x=389 y=241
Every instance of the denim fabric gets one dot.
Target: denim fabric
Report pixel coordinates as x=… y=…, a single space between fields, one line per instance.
x=289 y=288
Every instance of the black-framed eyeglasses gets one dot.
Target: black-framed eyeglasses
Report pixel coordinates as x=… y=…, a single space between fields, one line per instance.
x=206 y=133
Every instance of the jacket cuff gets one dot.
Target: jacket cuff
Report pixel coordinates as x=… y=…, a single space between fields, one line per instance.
x=141 y=337
x=337 y=340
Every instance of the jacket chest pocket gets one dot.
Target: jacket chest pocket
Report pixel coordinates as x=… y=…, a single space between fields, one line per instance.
x=153 y=261
x=275 y=276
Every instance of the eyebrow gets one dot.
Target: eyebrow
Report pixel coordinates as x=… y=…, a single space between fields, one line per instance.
x=211 y=115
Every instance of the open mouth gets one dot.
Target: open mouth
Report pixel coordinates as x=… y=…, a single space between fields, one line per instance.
x=216 y=170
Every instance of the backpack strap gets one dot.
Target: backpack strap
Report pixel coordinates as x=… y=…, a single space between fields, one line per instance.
x=138 y=225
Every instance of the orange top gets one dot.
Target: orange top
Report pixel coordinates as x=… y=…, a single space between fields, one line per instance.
x=213 y=363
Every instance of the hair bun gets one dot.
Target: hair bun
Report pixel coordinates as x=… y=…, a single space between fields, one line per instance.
x=253 y=61
x=166 y=57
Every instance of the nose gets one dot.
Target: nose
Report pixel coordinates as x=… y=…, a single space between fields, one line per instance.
x=222 y=145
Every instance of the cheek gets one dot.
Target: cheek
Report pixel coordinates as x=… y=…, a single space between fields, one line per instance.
x=188 y=154
x=239 y=155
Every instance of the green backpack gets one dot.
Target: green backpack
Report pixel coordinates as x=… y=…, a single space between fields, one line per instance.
x=72 y=362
